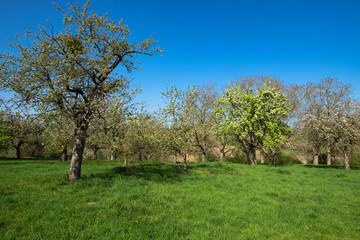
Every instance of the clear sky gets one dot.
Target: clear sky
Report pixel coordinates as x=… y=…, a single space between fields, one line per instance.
x=218 y=41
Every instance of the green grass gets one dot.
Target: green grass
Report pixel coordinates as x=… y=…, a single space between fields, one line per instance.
x=155 y=200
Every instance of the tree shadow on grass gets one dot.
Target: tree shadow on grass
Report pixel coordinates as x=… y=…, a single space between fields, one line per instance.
x=323 y=166
x=30 y=160
x=157 y=172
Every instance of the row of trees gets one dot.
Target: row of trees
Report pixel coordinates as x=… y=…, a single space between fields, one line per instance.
x=254 y=114
x=76 y=82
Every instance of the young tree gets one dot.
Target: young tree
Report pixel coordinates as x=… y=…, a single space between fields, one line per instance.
x=252 y=118
x=179 y=114
x=204 y=118
x=73 y=71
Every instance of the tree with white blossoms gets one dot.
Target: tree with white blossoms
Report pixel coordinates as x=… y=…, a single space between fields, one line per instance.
x=324 y=103
x=73 y=71
x=253 y=119
x=346 y=130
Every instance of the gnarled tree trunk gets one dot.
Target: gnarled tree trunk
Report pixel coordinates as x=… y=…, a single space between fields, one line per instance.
x=77 y=156
x=18 y=149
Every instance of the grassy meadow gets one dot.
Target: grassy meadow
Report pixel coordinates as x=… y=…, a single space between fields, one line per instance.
x=158 y=200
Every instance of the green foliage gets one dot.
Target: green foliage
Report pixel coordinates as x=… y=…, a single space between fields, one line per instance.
x=160 y=201
x=253 y=118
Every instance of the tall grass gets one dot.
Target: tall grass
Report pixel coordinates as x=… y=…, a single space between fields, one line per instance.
x=154 y=200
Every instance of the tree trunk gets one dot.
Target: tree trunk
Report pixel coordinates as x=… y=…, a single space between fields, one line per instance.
x=112 y=155
x=18 y=149
x=273 y=158
x=175 y=157
x=185 y=161
x=95 y=151
x=125 y=162
x=63 y=155
x=77 y=156
x=139 y=156
x=253 y=155
x=346 y=160
x=315 y=156
x=328 y=155
x=203 y=157
x=222 y=155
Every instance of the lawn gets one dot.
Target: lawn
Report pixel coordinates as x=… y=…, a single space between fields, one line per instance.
x=157 y=200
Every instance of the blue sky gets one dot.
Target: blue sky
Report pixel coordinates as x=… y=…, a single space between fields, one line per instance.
x=219 y=41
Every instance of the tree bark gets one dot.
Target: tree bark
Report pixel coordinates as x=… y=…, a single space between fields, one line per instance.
x=95 y=151
x=185 y=161
x=346 y=160
x=63 y=155
x=18 y=149
x=77 y=156
x=253 y=155
x=328 y=155
x=203 y=157
x=125 y=162
x=222 y=156
x=315 y=156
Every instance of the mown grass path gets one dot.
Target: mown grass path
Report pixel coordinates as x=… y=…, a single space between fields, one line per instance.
x=155 y=200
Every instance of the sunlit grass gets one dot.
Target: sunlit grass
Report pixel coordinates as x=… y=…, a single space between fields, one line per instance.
x=161 y=201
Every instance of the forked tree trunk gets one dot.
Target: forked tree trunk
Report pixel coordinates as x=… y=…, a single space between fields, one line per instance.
x=63 y=155
x=328 y=155
x=346 y=160
x=315 y=156
x=185 y=161
x=77 y=156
